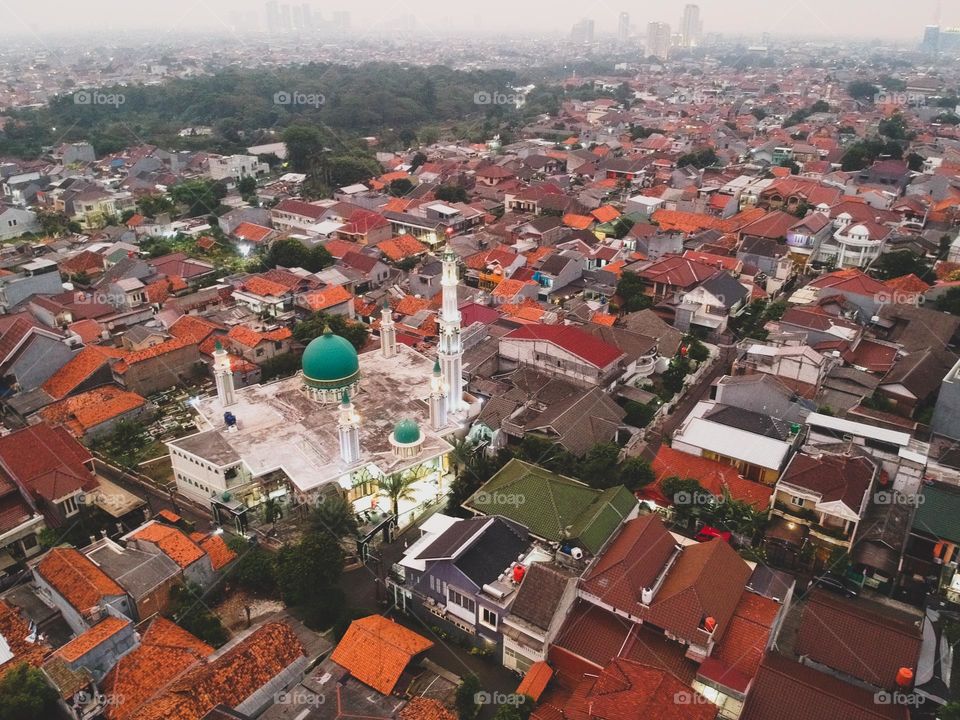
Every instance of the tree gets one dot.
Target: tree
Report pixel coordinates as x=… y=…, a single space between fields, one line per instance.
x=25 y=694
x=915 y=162
x=396 y=487
x=636 y=473
x=429 y=135
x=862 y=90
x=313 y=327
x=304 y=147
x=253 y=570
x=291 y=253
x=466 y=698
x=189 y=612
x=400 y=187
x=343 y=170
x=247 y=186
x=639 y=414
x=307 y=569
x=899 y=263
x=630 y=289
x=199 y=196
x=520 y=711
x=700 y=159
x=334 y=515
x=598 y=467
x=461 y=454
x=949 y=302
x=451 y=193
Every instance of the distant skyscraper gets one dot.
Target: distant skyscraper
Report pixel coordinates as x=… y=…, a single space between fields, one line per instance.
x=931 y=39
x=307 y=17
x=582 y=32
x=273 y=17
x=658 y=40
x=690 y=27
x=623 y=28
x=286 y=21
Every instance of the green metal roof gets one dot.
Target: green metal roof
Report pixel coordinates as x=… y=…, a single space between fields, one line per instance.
x=938 y=515
x=330 y=361
x=406 y=432
x=554 y=507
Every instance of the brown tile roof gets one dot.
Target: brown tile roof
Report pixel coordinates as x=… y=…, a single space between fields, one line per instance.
x=171 y=541
x=85 y=642
x=787 y=690
x=165 y=651
x=854 y=639
x=376 y=651
x=737 y=657
x=423 y=708
x=834 y=477
x=47 y=461
x=75 y=577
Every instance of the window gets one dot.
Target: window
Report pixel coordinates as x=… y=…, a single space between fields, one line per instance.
x=516 y=660
x=488 y=618
x=462 y=600
x=69 y=506
x=798 y=501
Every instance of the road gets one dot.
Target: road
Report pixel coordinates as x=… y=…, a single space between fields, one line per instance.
x=691 y=396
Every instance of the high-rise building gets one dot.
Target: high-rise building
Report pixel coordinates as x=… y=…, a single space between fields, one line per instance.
x=582 y=32
x=931 y=39
x=273 y=17
x=690 y=26
x=658 y=40
x=623 y=28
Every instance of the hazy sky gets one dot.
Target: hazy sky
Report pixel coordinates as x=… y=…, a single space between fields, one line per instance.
x=862 y=18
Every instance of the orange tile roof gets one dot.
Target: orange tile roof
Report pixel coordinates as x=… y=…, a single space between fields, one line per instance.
x=171 y=541
x=89 y=330
x=149 y=353
x=328 y=297
x=424 y=708
x=713 y=477
x=229 y=679
x=77 y=578
x=605 y=213
x=601 y=318
x=264 y=288
x=220 y=554
x=508 y=289
x=538 y=254
x=78 y=368
x=247 y=336
x=15 y=629
x=193 y=327
x=79 y=413
x=578 y=222
x=169 y=516
x=87 y=641
x=159 y=290
x=166 y=650
x=376 y=651
x=908 y=284
x=252 y=232
x=411 y=305
x=535 y=681
x=401 y=247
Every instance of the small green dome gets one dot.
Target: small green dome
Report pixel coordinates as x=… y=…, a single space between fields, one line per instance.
x=330 y=362
x=406 y=432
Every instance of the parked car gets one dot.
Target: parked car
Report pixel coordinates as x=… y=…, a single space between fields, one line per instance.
x=708 y=533
x=835 y=584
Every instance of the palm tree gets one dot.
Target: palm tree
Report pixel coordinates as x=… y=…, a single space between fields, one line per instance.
x=397 y=487
x=334 y=515
x=461 y=454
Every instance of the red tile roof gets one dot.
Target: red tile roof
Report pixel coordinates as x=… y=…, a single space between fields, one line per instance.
x=299 y=207
x=76 y=578
x=377 y=650
x=47 y=461
x=737 y=657
x=78 y=368
x=251 y=232
x=401 y=247
x=678 y=272
x=535 y=680
x=326 y=298
x=868 y=643
x=577 y=342
x=15 y=629
x=247 y=336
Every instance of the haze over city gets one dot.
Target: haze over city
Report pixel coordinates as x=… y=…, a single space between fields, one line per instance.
x=818 y=18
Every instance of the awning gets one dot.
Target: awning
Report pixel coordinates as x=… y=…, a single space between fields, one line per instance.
x=788 y=532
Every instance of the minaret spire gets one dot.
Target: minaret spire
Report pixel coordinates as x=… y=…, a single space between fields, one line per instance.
x=451 y=349
x=438 y=399
x=388 y=331
x=223 y=374
x=348 y=428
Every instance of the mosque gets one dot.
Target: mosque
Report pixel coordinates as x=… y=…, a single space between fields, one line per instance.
x=342 y=423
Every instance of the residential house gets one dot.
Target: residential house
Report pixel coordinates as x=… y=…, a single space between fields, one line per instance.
x=34 y=277
x=708 y=307
x=257 y=345
x=15 y=222
x=828 y=494
x=159 y=367
x=146 y=577
x=672 y=274
x=562 y=350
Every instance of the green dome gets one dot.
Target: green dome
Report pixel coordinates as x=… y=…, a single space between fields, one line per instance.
x=406 y=432
x=330 y=362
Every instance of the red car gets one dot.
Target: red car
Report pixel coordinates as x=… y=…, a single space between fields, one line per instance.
x=709 y=533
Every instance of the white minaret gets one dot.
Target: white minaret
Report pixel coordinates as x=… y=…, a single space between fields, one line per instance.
x=348 y=427
x=451 y=349
x=388 y=331
x=223 y=374
x=438 y=399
